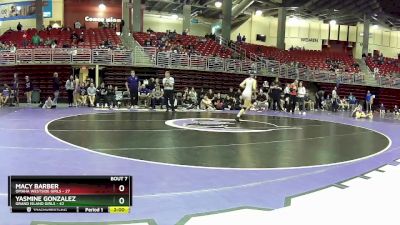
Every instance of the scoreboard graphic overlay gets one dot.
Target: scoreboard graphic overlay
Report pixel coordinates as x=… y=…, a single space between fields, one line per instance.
x=70 y=194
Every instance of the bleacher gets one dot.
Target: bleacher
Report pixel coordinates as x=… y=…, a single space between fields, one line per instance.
x=203 y=46
x=388 y=67
x=92 y=37
x=310 y=58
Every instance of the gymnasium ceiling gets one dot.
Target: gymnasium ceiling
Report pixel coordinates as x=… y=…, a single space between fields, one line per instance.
x=347 y=12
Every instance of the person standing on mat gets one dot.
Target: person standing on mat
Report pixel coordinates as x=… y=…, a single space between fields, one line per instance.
x=15 y=89
x=132 y=86
x=56 y=87
x=28 y=89
x=69 y=86
x=168 y=83
x=249 y=85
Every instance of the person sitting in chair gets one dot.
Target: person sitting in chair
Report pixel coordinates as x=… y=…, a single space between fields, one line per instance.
x=144 y=95
x=206 y=103
x=157 y=97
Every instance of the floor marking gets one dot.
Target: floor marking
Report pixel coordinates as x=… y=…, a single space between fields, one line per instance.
x=379 y=170
x=228 y=188
x=119 y=130
x=365 y=177
x=219 y=168
x=228 y=145
x=107 y=120
x=341 y=186
x=35 y=148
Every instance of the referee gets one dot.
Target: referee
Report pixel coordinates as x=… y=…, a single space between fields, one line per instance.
x=168 y=83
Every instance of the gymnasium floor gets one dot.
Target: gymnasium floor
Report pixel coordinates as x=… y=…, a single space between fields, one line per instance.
x=192 y=162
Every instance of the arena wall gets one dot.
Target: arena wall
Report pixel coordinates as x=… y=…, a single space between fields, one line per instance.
x=57 y=15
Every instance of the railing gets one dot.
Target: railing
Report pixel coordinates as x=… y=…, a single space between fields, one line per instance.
x=150 y=57
x=67 y=56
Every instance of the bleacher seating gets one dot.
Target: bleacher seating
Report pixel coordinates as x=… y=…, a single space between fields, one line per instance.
x=310 y=58
x=388 y=67
x=207 y=47
x=92 y=37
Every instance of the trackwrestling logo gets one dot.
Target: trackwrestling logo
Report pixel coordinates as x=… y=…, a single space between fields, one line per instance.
x=225 y=125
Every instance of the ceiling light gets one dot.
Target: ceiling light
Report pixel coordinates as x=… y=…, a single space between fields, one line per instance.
x=258 y=13
x=332 y=22
x=375 y=26
x=102 y=6
x=18 y=8
x=174 y=16
x=218 y=4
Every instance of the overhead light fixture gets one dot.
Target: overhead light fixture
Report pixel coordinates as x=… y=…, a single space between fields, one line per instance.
x=174 y=16
x=102 y=6
x=375 y=26
x=259 y=13
x=293 y=20
x=218 y=4
x=375 y=15
x=18 y=8
x=335 y=10
x=332 y=22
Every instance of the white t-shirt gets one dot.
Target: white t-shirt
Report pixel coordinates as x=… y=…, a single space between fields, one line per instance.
x=301 y=92
x=168 y=83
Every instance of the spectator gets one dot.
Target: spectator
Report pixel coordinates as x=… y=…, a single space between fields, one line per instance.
x=396 y=111
x=206 y=103
x=335 y=100
x=110 y=96
x=48 y=104
x=218 y=102
x=368 y=101
x=118 y=97
x=293 y=97
x=352 y=101
x=238 y=38
x=19 y=26
x=132 y=86
x=144 y=95
x=28 y=89
x=25 y=41
x=261 y=102
x=102 y=95
x=193 y=96
x=5 y=95
x=382 y=110
x=276 y=96
x=56 y=88
x=69 y=87
x=300 y=98
x=320 y=97
x=82 y=94
x=286 y=96
x=36 y=40
x=77 y=91
x=308 y=102
x=91 y=92
x=15 y=89
x=77 y=25
x=48 y=42
x=157 y=97
x=244 y=39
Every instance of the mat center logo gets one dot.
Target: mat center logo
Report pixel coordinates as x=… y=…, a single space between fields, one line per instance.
x=225 y=125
